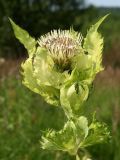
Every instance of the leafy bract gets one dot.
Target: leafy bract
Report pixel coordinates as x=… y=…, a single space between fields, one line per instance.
x=93 y=46
x=82 y=126
x=87 y=64
x=67 y=139
x=98 y=133
x=72 y=96
x=61 y=140
x=50 y=94
x=83 y=69
x=24 y=38
x=44 y=70
x=75 y=135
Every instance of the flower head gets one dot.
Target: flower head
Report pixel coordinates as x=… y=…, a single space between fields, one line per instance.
x=61 y=45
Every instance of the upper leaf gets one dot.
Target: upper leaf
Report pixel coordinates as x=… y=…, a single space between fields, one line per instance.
x=93 y=41
x=24 y=38
x=93 y=45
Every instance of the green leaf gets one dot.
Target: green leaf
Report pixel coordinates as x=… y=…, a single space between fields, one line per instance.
x=67 y=139
x=44 y=70
x=83 y=69
x=75 y=135
x=93 y=45
x=50 y=94
x=88 y=63
x=72 y=96
x=93 y=41
x=81 y=62
x=64 y=139
x=24 y=38
x=98 y=133
x=82 y=126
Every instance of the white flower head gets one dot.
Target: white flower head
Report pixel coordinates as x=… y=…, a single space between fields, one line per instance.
x=61 y=45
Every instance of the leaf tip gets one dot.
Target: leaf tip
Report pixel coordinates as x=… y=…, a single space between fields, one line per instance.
x=11 y=21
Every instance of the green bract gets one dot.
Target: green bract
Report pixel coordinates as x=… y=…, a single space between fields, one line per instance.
x=69 y=138
x=75 y=134
x=61 y=68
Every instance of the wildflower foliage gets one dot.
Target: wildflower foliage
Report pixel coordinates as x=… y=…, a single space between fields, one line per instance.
x=61 y=68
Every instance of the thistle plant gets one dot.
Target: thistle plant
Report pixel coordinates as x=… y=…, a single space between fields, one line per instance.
x=61 y=67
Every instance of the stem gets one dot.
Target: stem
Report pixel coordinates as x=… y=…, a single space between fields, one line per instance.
x=77 y=157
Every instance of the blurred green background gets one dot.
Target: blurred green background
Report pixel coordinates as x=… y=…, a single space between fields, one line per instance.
x=24 y=114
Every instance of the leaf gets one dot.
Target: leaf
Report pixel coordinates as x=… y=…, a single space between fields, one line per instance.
x=93 y=39
x=50 y=94
x=98 y=133
x=82 y=126
x=44 y=70
x=24 y=38
x=81 y=62
x=83 y=66
x=72 y=96
x=64 y=139
x=93 y=45
x=67 y=139
x=88 y=63
x=75 y=135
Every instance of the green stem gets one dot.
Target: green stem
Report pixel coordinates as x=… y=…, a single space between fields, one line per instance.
x=77 y=157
